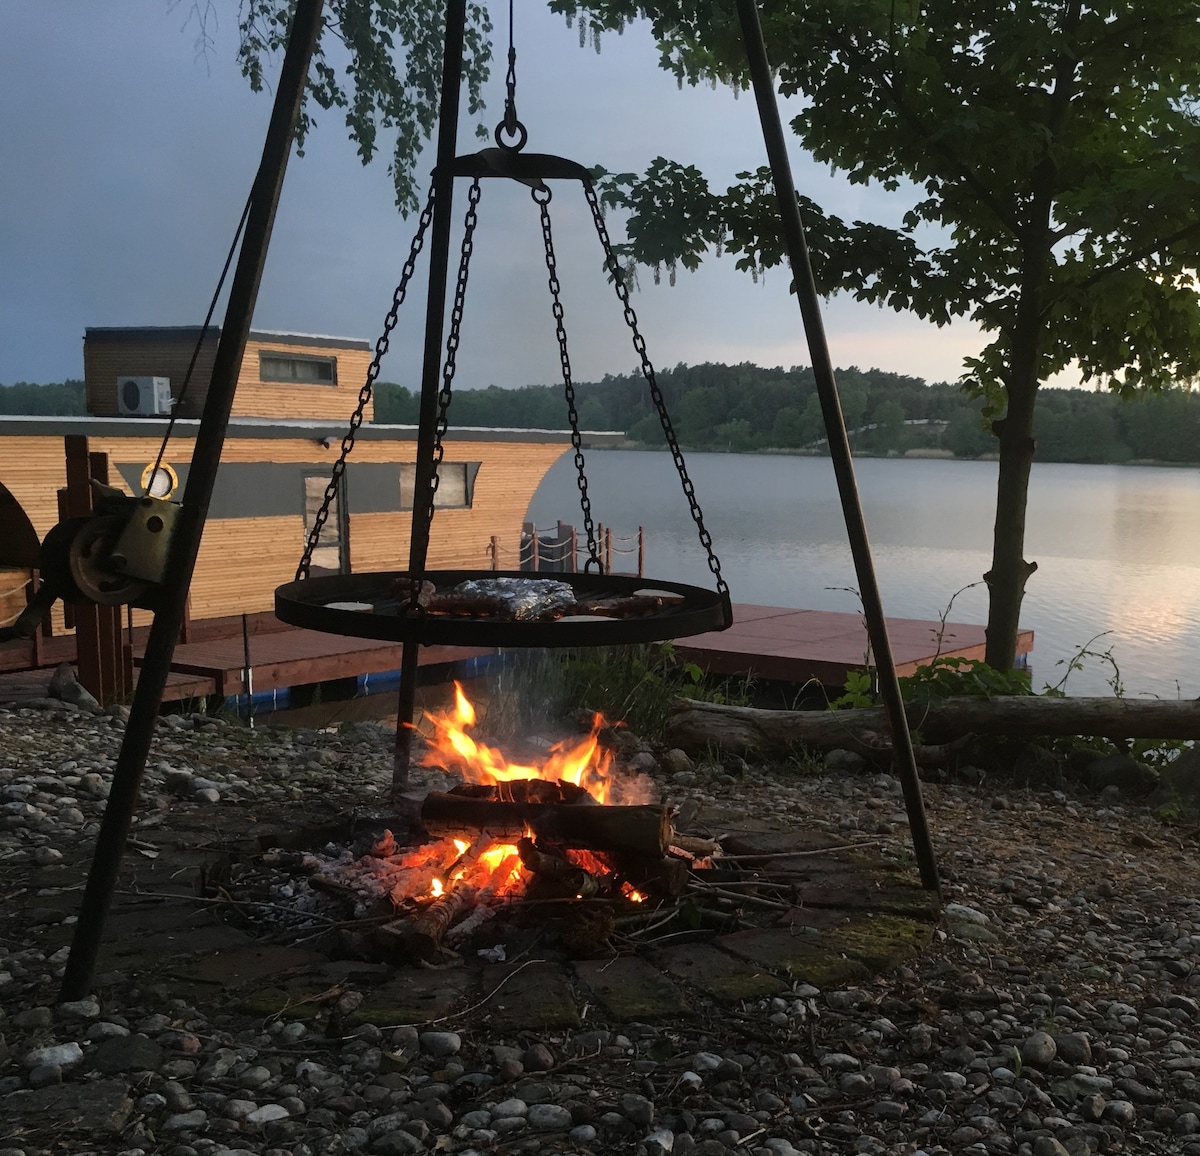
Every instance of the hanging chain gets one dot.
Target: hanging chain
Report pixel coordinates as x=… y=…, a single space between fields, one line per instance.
x=510 y=127
x=364 y=394
x=541 y=198
x=639 y=345
x=452 y=342
x=510 y=80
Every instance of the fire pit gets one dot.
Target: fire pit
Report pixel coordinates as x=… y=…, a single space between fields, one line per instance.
x=569 y=837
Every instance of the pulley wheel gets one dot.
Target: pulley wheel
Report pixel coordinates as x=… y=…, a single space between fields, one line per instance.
x=88 y=557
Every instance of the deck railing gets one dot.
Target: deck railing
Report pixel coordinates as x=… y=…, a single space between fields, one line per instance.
x=562 y=550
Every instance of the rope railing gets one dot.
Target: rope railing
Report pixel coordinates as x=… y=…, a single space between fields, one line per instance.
x=558 y=549
x=5 y=594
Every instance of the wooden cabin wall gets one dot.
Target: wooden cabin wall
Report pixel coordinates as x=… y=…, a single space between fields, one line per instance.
x=256 y=398
x=242 y=560
x=508 y=477
x=105 y=361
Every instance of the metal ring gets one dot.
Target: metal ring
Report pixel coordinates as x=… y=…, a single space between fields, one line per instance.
x=521 y=134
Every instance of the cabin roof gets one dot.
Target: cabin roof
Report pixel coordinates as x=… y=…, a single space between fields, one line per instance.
x=267 y=428
x=190 y=333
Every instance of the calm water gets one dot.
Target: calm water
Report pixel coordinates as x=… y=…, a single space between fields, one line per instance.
x=1117 y=547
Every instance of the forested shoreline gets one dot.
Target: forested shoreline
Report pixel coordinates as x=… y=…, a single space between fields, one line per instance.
x=746 y=409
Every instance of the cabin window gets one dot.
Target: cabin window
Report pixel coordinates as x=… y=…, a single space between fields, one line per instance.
x=327 y=557
x=456 y=485
x=297 y=368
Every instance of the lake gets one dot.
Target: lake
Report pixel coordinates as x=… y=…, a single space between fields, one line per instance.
x=1117 y=547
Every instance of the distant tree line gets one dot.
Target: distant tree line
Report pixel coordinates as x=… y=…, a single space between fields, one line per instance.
x=62 y=399
x=745 y=408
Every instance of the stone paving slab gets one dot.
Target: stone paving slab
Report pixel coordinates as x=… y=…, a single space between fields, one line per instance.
x=238 y=969
x=800 y=956
x=857 y=890
x=98 y=1107
x=630 y=988
x=882 y=942
x=718 y=974
x=530 y=995
x=418 y=997
x=811 y=919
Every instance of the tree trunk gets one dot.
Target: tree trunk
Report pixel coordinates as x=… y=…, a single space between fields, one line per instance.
x=1009 y=573
x=752 y=731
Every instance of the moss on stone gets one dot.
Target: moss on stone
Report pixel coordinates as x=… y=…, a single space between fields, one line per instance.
x=882 y=941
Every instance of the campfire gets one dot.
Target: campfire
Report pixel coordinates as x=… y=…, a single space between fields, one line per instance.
x=573 y=831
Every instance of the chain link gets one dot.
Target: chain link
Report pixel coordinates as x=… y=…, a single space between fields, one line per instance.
x=364 y=394
x=541 y=198
x=452 y=343
x=639 y=345
x=510 y=103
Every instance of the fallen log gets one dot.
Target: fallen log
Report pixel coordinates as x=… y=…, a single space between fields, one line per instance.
x=751 y=730
x=644 y=830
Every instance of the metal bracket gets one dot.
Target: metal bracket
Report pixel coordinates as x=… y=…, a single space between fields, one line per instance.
x=142 y=548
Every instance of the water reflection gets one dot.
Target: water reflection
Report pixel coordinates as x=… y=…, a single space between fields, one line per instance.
x=1116 y=546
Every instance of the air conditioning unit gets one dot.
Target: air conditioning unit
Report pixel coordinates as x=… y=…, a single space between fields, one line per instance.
x=143 y=395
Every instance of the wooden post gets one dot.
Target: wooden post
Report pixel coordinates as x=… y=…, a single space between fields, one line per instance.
x=607 y=549
x=641 y=551
x=108 y=620
x=67 y=608
x=574 y=550
x=247 y=671
x=494 y=550
x=98 y=643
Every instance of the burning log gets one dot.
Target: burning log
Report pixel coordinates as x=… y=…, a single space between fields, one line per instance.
x=695 y=845
x=555 y=873
x=538 y=791
x=662 y=877
x=421 y=936
x=641 y=830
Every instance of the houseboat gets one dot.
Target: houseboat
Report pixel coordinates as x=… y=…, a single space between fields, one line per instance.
x=292 y=407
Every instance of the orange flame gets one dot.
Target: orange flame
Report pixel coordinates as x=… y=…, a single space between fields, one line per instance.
x=497 y=868
x=584 y=764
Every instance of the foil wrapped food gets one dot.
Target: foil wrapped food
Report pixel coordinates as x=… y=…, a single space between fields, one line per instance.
x=522 y=599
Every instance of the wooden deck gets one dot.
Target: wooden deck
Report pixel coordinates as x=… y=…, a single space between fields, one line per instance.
x=788 y=645
x=768 y=642
x=295 y=657
x=212 y=663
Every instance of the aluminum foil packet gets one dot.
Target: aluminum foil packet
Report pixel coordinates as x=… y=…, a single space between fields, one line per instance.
x=523 y=598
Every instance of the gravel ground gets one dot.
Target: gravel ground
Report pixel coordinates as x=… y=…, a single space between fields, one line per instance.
x=1056 y=1011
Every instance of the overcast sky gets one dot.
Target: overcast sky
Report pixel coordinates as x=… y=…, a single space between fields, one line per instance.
x=125 y=158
